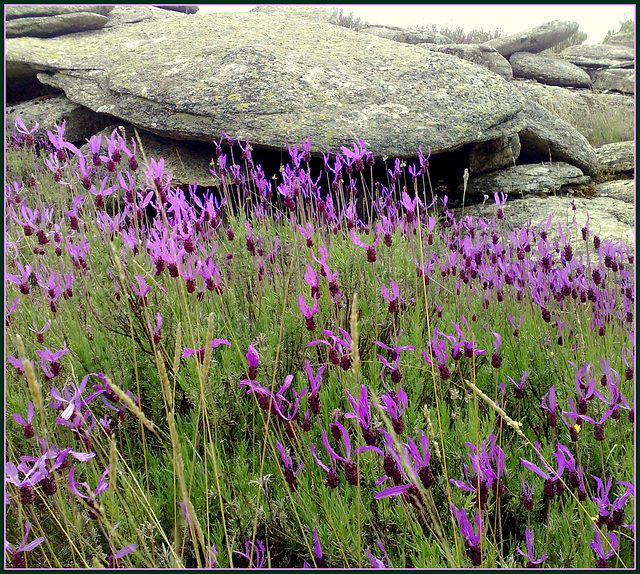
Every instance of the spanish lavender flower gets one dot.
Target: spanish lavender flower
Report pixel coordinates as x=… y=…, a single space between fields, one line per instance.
x=28 y=139
x=350 y=468
x=155 y=332
x=289 y=475
x=550 y=407
x=421 y=458
x=10 y=311
x=307 y=232
x=362 y=414
x=52 y=357
x=598 y=426
x=527 y=495
x=254 y=361
x=391 y=297
x=92 y=494
x=200 y=352
x=519 y=390
x=321 y=561
x=596 y=545
x=251 y=548
x=439 y=353
x=602 y=499
x=141 y=289
x=371 y=249
x=28 y=429
x=333 y=480
x=314 y=382
x=395 y=405
x=17 y=556
x=617 y=506
x=377 y=562
x=211 y=556
x=496 y=358
x=308 y=312
x=339 y=349
x=32 y=476
x=531 y=561
x=550 y=478
x=22 y=281
x=471 y=535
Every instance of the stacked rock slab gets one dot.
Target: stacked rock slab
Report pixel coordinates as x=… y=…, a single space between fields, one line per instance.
x=536 y=39
x=548 y=70
x=48 y=21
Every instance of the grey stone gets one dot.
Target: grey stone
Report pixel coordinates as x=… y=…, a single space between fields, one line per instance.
x=534 y=40
x=599 y=56
x=548 y=138
x=270 y=79
x=183 y=9
x=627 y=39
x=598 y=117
x=611 y=219
x=125 y=15
x=81 y=122
x=494 y=154
x=619 y=189
x=46 y=26
x=407 y=35
x=547 y=178
x=548 y=70
x=615 y=79
x=478 y=54
x=617 y=157
x=12 y=12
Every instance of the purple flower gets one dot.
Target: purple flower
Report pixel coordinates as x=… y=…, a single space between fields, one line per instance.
x=32 y=476
x=52 y=357
x=391 y=297
x=377 y=562
x=395 y=405
x=531 y=561
x=362 y=414
x=314 y=382
x=321 y=562
x=550 y=406
x=332 y=480
x=308 y=313
x=254 y=361
x=602 y=499
x=28 y=429
x=289 y=474
x=519 y=392
x=92 y=494
x=471 y=535
x=551 y=478
x=602 y=557
x=17 y=557
x=200 y=352
x=350 y=468
x=496 y=358
x=371 y=249
x=527 y=495
x=251 y=548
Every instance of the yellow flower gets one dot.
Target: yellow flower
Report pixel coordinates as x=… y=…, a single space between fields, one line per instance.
x=577 y=427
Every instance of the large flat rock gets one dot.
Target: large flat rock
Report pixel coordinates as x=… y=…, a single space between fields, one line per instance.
x=534 y=40
x=268 y=78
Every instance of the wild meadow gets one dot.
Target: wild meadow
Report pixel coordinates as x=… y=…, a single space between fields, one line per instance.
x=324 y=369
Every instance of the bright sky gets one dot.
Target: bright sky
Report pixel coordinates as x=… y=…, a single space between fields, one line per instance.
x=594 y=19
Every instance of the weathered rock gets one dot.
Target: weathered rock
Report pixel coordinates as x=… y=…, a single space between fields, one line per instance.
x=81 y=122
x=615 y=79
x=616 y=157
x=317 y=13
x=478 y=54
x=536 y=39
x=627 y=39
x=599 y=56
x=12 y=12
x=548 y=70
x=494 y=154
x=619 y=189
x=125 y=15
x=520 y=180
x=183 y=9
x=548 y=138
x=186 y=162
x=271 y=79
x=46 y=26
x=407 y=35
x=598 y=117
x=610 y=219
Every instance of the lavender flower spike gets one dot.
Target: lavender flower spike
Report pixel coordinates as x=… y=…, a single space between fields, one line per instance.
x=531 y=561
